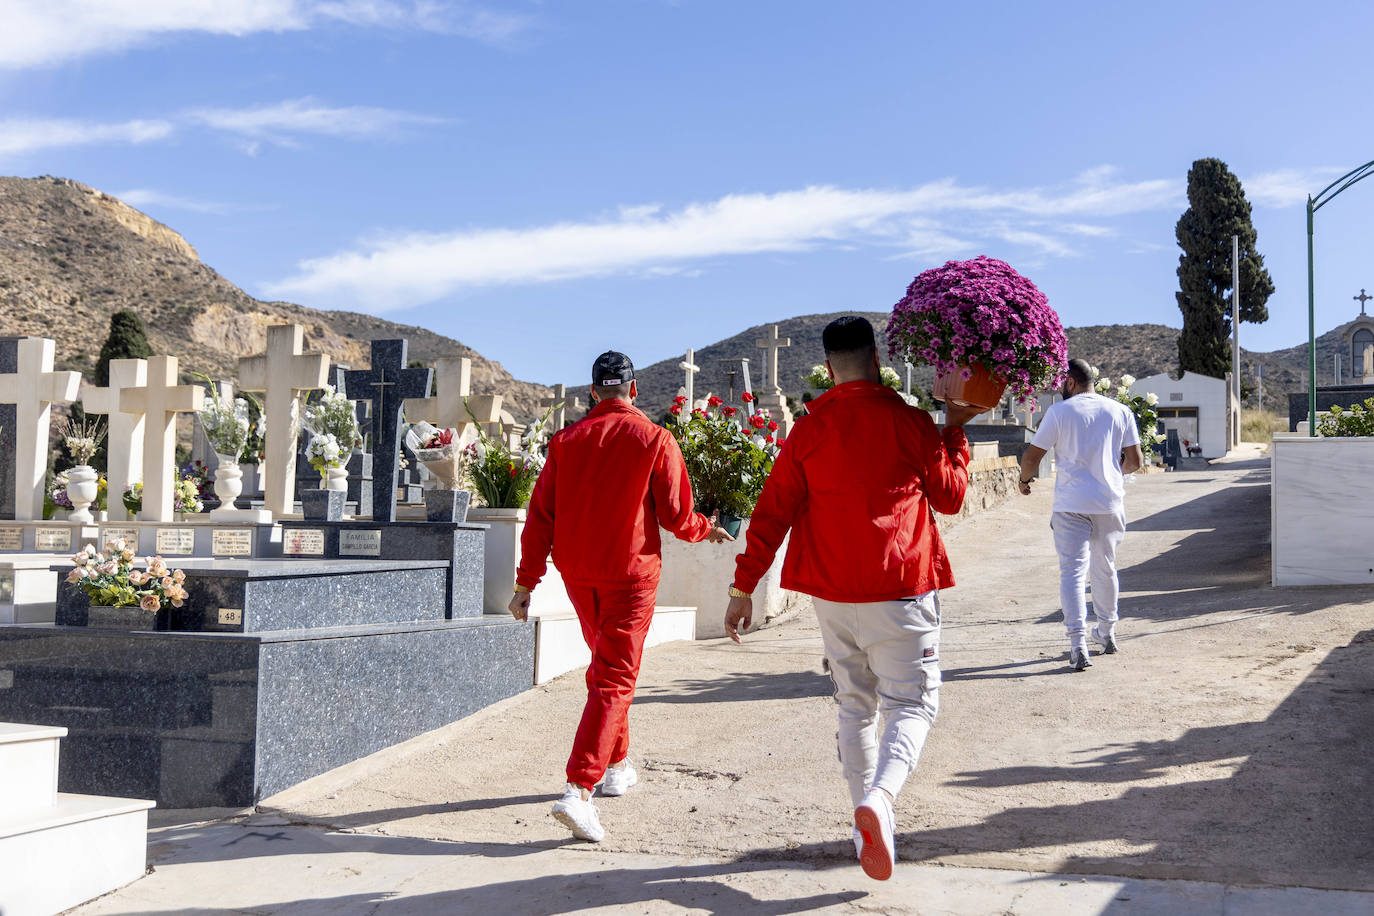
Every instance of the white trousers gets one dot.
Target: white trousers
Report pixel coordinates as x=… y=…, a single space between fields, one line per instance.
x=1087 y=551
x=884 y=657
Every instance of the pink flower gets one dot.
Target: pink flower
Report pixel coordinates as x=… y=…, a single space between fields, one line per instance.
x=150 y=603
x=76 y=575
x=137 y=578
x=966 y=373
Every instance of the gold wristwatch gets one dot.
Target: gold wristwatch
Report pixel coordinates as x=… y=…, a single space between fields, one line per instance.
x=738 y=593
x=520 y=589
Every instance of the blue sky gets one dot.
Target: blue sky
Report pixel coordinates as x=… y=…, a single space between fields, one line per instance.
x=546 y=180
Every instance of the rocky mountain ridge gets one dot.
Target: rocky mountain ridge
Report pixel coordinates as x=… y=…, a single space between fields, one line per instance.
x=71 y=256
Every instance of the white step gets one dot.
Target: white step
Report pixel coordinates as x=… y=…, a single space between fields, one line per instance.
x=28 y=767
x=28 y=588
x=76 y=850
x=560 y=648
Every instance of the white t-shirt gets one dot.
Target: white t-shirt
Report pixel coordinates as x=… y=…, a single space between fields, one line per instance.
x=1087 y=433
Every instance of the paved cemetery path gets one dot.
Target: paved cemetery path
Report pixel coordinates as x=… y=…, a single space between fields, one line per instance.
x=1230 y=741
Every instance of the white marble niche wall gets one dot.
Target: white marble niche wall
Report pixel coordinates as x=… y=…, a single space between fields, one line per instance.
x=1323 y=522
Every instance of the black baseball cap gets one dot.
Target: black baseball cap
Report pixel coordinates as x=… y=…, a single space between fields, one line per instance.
x=612 y=369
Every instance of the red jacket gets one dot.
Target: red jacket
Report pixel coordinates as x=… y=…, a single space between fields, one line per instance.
x=856 y=482
x=610 y=480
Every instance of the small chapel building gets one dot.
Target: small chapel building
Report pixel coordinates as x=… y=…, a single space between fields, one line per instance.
x=1196 y=406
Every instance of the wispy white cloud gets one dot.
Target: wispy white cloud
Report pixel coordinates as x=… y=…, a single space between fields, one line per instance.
x=19 y=136
x=46 y=32
x=280 y=123
x=397 y=271
x=1286 y=187
x=151 y=197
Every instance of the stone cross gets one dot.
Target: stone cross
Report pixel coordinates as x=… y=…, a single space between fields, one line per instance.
x=33 y=387
x=484 y=412
x=159 y=401
x=559 y=403
x=751 y=407
x=1362 y=299
x=690 y=367
x=445 y=410
x=772 y=343
x=281 y=374
x=124 y=439
x=387 y=384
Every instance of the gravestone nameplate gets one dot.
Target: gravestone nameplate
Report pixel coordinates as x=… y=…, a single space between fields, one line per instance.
x=231 y=542
x=11 y=540
x=303 y=542
x=57 y=540
x=354 y=543
x=176 y=541
x=116 y=533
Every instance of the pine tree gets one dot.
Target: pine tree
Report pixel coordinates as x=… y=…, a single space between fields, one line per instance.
x=126 y=340
x=1217 y=210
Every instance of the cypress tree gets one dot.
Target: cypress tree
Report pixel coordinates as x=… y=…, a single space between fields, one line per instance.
x=1217 y=210
x=127 y=340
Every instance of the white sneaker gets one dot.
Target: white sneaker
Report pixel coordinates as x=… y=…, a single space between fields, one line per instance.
x=578 y=816
x=876 y=821
x=1107 y=642
x=619 y=778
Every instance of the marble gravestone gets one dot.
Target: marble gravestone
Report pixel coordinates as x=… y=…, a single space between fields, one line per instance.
x=558 y=403
x=771 y=397
x=690 y=367
x=9 y=363
x=453 y=386
x=124 y=431
x=159 y=402
x=387 y=384
x=30 y=389
x=281 y=374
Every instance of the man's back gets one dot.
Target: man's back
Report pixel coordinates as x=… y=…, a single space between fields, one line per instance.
x=610 y=481
x=855 y=483
x=1087 y=433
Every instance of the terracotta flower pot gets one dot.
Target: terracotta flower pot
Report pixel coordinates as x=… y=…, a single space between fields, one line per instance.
x=982 y=389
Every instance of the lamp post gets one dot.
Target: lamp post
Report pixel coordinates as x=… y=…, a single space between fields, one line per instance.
x=1314 y=204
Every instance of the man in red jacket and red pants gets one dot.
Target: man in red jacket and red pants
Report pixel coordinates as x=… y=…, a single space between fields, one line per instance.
x=855 y=483
x=610 y=481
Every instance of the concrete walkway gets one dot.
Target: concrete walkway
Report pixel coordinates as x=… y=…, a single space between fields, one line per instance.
x=1220 y=763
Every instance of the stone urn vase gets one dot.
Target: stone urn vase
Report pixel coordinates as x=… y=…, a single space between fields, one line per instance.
x=228 y=481
x=83 y=482
x=336 y=479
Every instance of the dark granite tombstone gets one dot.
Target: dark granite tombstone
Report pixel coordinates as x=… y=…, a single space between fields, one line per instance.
x=387 y=383
x=9 y=362
x=360 y=478
x=1328 y=396
x=1173 y=449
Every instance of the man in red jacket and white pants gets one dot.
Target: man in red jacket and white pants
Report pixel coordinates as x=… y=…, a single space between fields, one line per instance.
x=855 y=483
x=610 y=481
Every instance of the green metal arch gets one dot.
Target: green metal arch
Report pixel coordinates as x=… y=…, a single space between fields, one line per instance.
x=1323 y=197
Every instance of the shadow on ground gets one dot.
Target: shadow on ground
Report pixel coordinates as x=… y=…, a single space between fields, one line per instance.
x=1264 y=820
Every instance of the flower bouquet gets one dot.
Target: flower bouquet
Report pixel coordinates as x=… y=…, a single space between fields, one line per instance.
x=185 y=493
x=983 y=327
x=502 y=477
x=441 y=453
x=82 y=484
x=333 y=425
x=133 y=497
x=110 y=580
x=727 y=463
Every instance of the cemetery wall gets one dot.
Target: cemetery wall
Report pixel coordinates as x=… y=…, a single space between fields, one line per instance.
x=991 y=482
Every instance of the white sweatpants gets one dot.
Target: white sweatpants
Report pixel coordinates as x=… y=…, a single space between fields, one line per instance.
x=1087 y=551
x=884 y=657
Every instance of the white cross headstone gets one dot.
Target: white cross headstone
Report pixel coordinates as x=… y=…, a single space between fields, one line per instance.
x=484 y=411
x=124 y=439
x=282 y=373
x=445 y=409
x=33 y=389
x=159 y=401
x=559 y=402
x=772 y=343
x=690 y=367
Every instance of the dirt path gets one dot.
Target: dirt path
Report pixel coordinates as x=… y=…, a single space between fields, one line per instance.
x=1229 y=741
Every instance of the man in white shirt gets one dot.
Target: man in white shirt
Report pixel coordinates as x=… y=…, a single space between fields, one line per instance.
x=1096 y=443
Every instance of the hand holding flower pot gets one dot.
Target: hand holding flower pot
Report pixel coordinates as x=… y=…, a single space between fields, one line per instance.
x=984 y=328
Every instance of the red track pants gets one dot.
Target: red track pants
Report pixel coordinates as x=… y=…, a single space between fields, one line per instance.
x=615 y=621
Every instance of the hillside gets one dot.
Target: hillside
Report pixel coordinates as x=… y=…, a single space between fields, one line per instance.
x=70 y=256
x=1135 y=349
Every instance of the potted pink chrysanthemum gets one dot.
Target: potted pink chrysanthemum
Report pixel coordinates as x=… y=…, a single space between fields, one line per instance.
x=984 y=328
